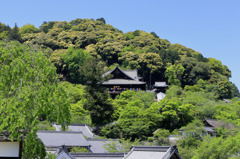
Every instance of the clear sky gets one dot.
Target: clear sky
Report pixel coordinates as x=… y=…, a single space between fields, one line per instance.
x=211 y=27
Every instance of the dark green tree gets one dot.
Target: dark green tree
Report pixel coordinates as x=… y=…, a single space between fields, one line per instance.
x=102 y=20
x=99 y=102
x=14 y=34
x=154 y=34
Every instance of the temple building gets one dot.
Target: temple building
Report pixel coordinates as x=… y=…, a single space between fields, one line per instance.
x=122 y=80
x=160 y=87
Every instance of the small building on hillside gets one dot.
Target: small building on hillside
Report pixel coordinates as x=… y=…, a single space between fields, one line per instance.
x=212 y=124
x=160 y=90
x=160 y=87
x=122 y=80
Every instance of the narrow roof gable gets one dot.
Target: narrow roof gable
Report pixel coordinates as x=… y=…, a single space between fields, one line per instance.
x=120 y=74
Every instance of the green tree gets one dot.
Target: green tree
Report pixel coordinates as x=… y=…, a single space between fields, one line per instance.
x=28 y=29
x=76 y=97
x=99 y=102
x=29 y=89
x=121 y=145
x=102 y=20
x=149 y=64
x=174 y=74
x=74 y=60
x=14 y=33
x=80 y=150
x=219 y=147
x=175 y=113
x=154 y=34
x=161 y=135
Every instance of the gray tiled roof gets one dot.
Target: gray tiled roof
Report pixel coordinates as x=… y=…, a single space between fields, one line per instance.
x=122 y=82
x=216 y=123
x=131 y=73
x=160 y=84
x=84 y=128
x=59 y=138
x=209 y=129
x=151 y=152
x=98 y=155
x=97 y=145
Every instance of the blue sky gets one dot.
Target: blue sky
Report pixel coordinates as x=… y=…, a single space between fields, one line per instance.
x=211 y=27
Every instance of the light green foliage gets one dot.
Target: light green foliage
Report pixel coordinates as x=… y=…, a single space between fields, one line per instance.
x=29 y=89
x=108 y=48
x=45 y=125
x=76 y=97
x=133 y=50
x=146 y=97
x=28 y=28
x=79 y=150
x=161 y=135
x=150 y=139
x=4 y=31
x=74 y=61
x=150 y=62
x=133 y=118
x=121 y=145
x=174 y=74
x=50 y=156
x=175 y=113
x=128 y=59
x=217 y=66
x=219 y=147
x=229 y=111
x=192 y=138
x=4 y=35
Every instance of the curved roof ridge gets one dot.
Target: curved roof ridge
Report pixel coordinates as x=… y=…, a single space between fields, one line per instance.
x=109 y=72
x=60 y=132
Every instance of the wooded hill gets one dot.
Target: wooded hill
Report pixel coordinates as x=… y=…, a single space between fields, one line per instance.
x=81 y=51
x=148 y=53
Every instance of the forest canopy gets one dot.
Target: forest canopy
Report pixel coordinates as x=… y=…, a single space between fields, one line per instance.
x=146 y=52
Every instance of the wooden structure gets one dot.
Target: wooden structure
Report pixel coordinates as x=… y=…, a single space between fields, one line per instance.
x=122 y=80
